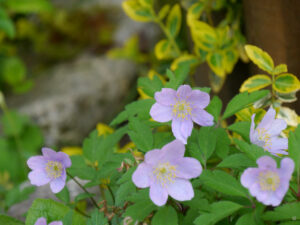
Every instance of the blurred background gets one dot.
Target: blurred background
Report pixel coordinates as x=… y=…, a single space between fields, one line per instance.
x=66 y=66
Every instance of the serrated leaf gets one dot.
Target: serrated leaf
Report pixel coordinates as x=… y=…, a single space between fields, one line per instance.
x=174 y=20
x=178 y=77
x=289 y=211
x=214 y=108
x=223 y=142
x=140 y=210
x=286 y=83
x=141 y=134
x=150 y=86
x=241 y=128
x=97 y=218
x=137 y=11
x=237 y=161
x=223 y=182
x=262 y=59
x=281 y=68
x=80 y=169
x=243 y=100
x=64 y=195
x=124 y=191
x=255 y=83
x=165 y=216
x=246 y=219
x=218 y=211
x=51 y=210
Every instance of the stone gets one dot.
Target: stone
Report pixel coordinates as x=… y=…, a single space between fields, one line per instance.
x=69 y=100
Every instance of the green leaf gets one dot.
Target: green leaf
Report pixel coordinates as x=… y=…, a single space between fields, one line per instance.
x=150 y=86
x=255 y=83
x=286 y=83
x=17 y=195
x=6 y=24
x=288 y=211
x=286 y=97
x=51 y=210
x=262 y=59
x=281 y=68
x=163 y=12
x=64 y=195
x=203 y=35
x=13 y=70
x=164 y=50
x=219 y=210
x=194 y=12
x=83 y=196
x=179 y=76
x=174 y=20
x=29 y=6
x=127 y=175
x=7 y=220
x=31 y=139
x=223 y=182
x=294 y=146
x=138 y=12
x=124 y=191
x=216 y=61
x=165 y=216
x=223 y=142
x=241 y=128
x=13 y=123
x=140 y=210
x=97 y=218
x=237 y=161
x=246 y=219
x=80 y=169
x=140 y=108
x=214 y=108
x=243 y=100
x=140 y=134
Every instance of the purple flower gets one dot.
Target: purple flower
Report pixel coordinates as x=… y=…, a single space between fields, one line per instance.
x=266 y=133
x=182 y=107
x=49 y=168
x=268 y=183
x=43 y=221
x=167 y=172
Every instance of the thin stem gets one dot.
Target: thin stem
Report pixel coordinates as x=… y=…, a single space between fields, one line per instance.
x=82 y=213
x=84 y=189
x=169 y=36
x=111 y=193
x=294 y=192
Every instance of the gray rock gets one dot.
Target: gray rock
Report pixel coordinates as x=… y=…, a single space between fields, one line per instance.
x=68 y=101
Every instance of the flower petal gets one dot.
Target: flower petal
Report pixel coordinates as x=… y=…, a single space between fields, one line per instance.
x=287 y=167
x=41 y=221
x=184 y=91
x=277 y=126
x=266 y=162
x=166 y=96
x=38 y=177
x=161 y=113
x=188 y=168
x=202 y=117
x=153 y=156
x=181 y=189
x=186 y=128
x=249 y=177
x=176 y=129
x=49 y=153
x=268 y=119
x=140 y=177
x=199 y=99
x=56 y=223
x=57 y=184
x=158 y=194
x=36 y=162
x=64 y=159
x=172 y=151
x=252 y=129
x=278 y=144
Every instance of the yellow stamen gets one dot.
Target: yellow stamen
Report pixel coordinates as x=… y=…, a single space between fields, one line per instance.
x=182 y=109
x=269 y=180
x=265 y=137
x=54 y=169
x=165 y=173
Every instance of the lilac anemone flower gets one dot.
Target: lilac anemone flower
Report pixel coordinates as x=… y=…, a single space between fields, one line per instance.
x=43 y=221
x=266 y=133
x=182 y=107
x=49 y=168
x=167 y=172
x=268 y=183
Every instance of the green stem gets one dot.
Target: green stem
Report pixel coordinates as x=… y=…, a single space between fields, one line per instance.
x=169 y=36
x=111 y=193
x=84 y=189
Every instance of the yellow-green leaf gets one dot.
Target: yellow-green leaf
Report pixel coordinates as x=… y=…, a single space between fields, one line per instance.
x=203 y=35
x=194 y=12
x=255 y=83
x=216 y=61
x=286 y=97
x=146 y=3
x=163 y=50
x=174 y=20
x=262 y=59
x=231 y=58
x=216 y=82
x=191 y=59
x=163 y=12
x=281 y=68
x=286 y=83
x=137 y=11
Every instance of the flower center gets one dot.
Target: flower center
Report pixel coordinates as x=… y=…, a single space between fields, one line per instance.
x=182 y=109
x=264 y=137
x=54 y=169
x=165 y=173
x=269 y=180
